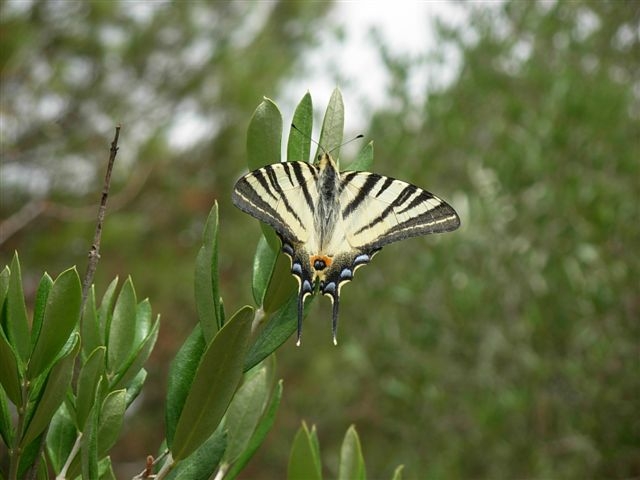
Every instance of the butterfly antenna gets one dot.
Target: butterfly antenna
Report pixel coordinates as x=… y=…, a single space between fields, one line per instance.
x=320 y=146
x=357 y=137
x=293 y=125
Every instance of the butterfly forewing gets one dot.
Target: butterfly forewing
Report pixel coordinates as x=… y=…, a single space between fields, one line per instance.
x=379 y=210
x=281 y=195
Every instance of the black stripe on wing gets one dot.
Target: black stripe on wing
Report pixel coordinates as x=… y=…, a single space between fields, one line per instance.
x=440 y=219
x=247 y=199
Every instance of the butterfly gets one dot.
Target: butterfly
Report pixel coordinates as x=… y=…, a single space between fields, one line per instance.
x=331 y=222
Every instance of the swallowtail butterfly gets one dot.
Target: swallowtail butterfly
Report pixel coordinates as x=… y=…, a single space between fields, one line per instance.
x=331 y=223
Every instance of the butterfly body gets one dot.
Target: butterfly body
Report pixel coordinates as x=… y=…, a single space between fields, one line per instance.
x=331 y=223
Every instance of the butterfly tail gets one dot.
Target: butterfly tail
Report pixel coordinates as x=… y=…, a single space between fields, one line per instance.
x=334 y=318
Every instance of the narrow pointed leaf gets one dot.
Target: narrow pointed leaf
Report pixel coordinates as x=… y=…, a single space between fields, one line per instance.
x=264 y=136
x=134 y=387
x=111 y=420
x=206 y=282
x=89 y=444
x=299 y=144
x=53 y=394
x=136 y=360
x=44 y=287
x=16 y=326
x=351 y=459
x=332 y=126
x=264 y=144
x=88 y=380
x=214 y=384
x=6 y=427
x=304 y=462
x=9 y=374
x=364 y=160
x=281 y=286
x=245 y=412
x=264 y=261
x=259 y=434
x=61 y=315
x=181 y=372
x=91 y=334
x=60 y=437
x=202 y=464
x=5 y=274
x=122 y=328
x=106 y=308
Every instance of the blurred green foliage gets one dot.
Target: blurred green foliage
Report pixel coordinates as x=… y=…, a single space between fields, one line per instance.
x=507 y=349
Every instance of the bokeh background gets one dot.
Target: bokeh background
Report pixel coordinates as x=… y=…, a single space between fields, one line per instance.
x=508 y=349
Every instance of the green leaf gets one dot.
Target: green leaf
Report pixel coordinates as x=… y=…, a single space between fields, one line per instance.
x=136 y=360
x=206 y=281
x=28 y=457
x=106 y=469
x=39 y=307
x=60 y=437
x=397 y=473
x=332 y=126
x=61 y=315
x=214 y=384
x=278 y=329
x=264 y=143
x=5 y=274
x=264 y=261
x=202 y=464
x=89 y=443
x=299 y=145
x=364 y=160
x=351 y=459
x=88 y=380
x=15 y=325
x=264 y=136
x=304 y=459
x=181 y=372
x=92 y=335
x=122 y=328
x=53 y=394
x=111 y=419
x=259 y=434
x=281 y=286
x=106 y=309
x=135 y=386
x=6 y=427
x=9 y=373
x=245 y=412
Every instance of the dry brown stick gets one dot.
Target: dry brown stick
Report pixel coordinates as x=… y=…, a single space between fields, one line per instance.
x=94 y=252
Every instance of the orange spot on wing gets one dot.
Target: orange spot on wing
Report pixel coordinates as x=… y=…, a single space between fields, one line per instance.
x=326 y=259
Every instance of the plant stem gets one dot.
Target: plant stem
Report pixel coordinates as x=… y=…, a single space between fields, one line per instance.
x=16 y=451
x=72 y=454
x=94 y=252
x=166 y=467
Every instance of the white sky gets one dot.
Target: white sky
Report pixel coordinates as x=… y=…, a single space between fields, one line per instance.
x=405 y=27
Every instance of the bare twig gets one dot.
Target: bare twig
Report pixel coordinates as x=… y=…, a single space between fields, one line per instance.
x=94 y=256
x=94 y=252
